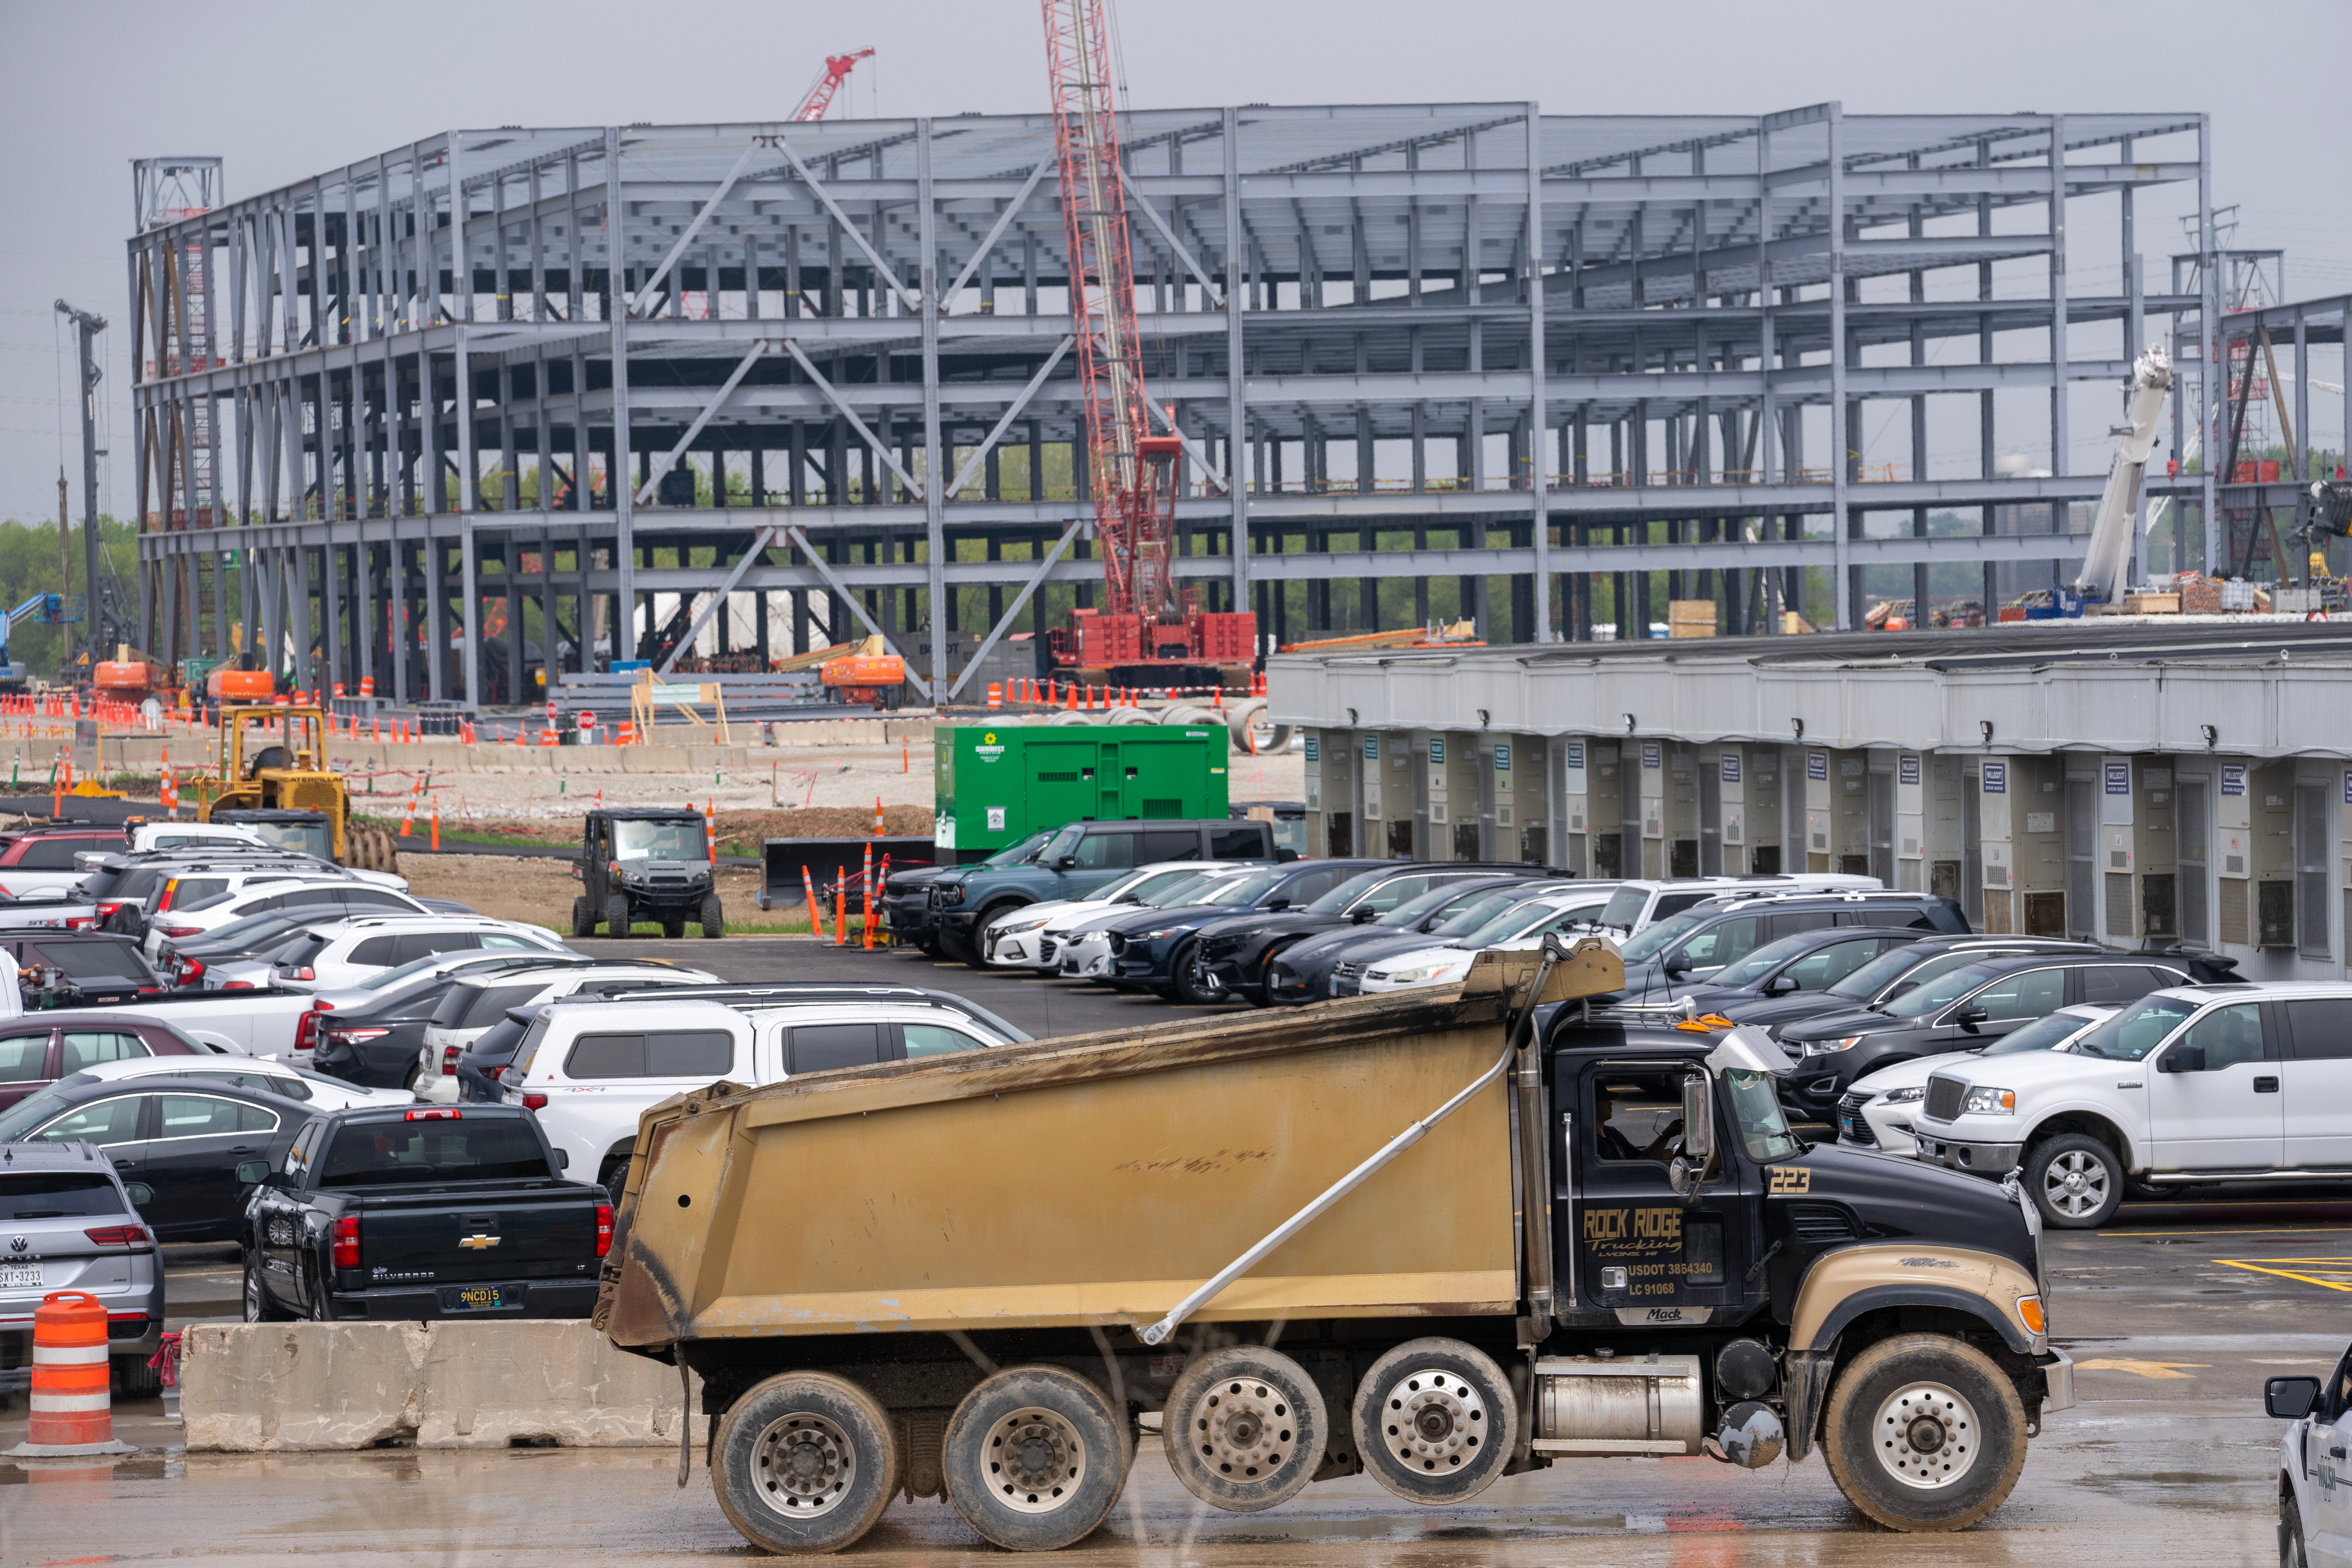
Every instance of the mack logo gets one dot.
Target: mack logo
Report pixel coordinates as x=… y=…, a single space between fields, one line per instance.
x=477 y=1242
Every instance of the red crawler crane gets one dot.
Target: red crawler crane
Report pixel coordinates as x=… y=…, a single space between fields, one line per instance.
x=1146 y=631
x=828 y=82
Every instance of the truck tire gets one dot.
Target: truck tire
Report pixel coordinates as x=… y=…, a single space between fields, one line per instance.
x=1192 y=981
x=616 y=915
x=1244 y=1428
x=957 y=949
x=804 y=1462
x=2292 y=1553
x=258 y=1306
x=2076 y=1181
x=713 y=919
x=1923 y=1432
x=615 y=1177
x=1436 y=1421
x=583 y=917
x=1035 y=1457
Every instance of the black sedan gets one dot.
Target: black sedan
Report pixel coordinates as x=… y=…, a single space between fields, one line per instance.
x=183 y=1140
x=1158 y=950
x=1333 y=964
x=1962 y=1010
x=1235 y=953
x=1889 y=975
x=1809 y=962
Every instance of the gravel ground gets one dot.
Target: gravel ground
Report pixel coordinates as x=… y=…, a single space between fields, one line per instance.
x=540 y=891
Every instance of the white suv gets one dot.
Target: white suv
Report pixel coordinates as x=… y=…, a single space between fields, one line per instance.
x=349 y=952
x=590 y=1069
x=478 y=1001
x=2192 y=1084
x=257 y=893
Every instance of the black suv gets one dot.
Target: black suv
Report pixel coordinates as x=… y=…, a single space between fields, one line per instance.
x=1690 y=948
x=646 y=863
x=1333 y=964
x=1961 y=1010
x=1159 y=950
x=1235 y=954
x=906 y=904
x=1890 y=973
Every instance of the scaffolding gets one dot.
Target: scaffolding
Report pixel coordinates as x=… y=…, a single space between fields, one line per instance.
x=1505 y=357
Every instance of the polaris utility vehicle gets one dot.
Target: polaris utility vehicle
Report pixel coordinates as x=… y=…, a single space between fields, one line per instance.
x=645 y=863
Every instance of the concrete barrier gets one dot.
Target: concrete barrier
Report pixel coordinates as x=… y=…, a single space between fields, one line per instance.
x=295 y=1387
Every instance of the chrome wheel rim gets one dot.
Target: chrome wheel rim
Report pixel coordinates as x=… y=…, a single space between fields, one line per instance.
x=2075 y=1183
x=1926 y=1435
x=1243 y=1430
x=1434 y=1422
x=803 y=1465
x=252 y=1297
x=1036 y=1460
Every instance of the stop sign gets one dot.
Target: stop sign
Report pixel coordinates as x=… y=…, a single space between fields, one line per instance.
x=587 y=721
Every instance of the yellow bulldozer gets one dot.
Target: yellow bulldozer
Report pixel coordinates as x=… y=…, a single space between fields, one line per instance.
x=274 y=777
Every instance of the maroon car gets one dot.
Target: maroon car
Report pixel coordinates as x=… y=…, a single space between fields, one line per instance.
x=38 y=1050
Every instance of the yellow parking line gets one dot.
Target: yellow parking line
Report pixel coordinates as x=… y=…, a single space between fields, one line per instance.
x=2339 y=1278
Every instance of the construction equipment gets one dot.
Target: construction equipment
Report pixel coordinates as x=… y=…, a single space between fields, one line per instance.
x=2107 y=559
x=50 y=609
x=1437 y=634
x=1147 y=632
x=129 y=675
x=819 y=97
x=231 y=683
x=275 y=759
x=869 y=676
x=108 y=622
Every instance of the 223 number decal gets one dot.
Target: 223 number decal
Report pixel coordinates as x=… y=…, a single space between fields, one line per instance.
x=1789 y=1181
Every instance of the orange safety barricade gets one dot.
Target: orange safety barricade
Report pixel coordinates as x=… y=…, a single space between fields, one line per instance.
x=71 y=1408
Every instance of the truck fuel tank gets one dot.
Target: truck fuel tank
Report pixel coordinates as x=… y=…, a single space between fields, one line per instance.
x=1618 y=1405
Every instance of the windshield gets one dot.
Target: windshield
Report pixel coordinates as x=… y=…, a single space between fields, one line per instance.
x=302 y=837
x=1509 y=924
x=35 y=1109
x=1764 y=959
x=1654 y=939
x=2041 y=1035
x=1248 y=890
x=1183 y=889
x=1625 y=906
x=1936 y=994
x=252 y=927
x=2131 y=1033
x=1474 y=913
x=633 y=840
x=1900 y=964
x=416 y=966
x=1018 y=853
x=1140 y=883
x=1756 y=1109
x=1337 y=900
x=56 y=1195
x=1412 y=911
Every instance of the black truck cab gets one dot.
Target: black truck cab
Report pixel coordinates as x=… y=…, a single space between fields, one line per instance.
x=645 y=863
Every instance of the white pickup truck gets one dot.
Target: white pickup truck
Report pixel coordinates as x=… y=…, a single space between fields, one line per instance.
x=2188 y=1085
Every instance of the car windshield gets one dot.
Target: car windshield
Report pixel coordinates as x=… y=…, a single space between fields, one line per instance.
x=1019 y=854
x=2138 y=1029
x=1765 y=959
x=1472 y=914
x=1242 y=891
x=302 y=837
x=1918 y=1001
x=37 y=1108
x=1756 y=1110
x=680 y=840
x=1654 y=939
x=1508 y=924
x=416 y=966
x=252 y=927
x=1137 y=885
x=1412 y=911
x=2041 y=1035
x=1181 y=890
x=1337 y=900
x=1624 y=906
x=1883 y=971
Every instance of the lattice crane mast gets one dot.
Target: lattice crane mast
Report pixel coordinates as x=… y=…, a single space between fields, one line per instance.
x=1145 y=625
x=819 y=97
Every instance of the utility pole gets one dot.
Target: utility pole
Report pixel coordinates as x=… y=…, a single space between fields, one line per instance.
x=65 y=573
x=100 y=620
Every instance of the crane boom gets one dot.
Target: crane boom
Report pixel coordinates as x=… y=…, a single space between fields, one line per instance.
x=819 y=97
x=2107 y=560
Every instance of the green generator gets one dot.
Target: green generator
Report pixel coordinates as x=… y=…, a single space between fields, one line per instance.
x=999 y=784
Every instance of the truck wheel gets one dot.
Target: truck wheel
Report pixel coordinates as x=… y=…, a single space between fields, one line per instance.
x=957 y=949
x=1923 y=1432
x=258 y=1306
x=1436 y=1421
x=1194 y=982
x=804 y=1462
x=2076 y=1181
x=2292 y=1553
x=583 y=917
x=713 y=918
x=1033 y=1458
x=616 y=914
x=1244 y=1428
x=615 y=1177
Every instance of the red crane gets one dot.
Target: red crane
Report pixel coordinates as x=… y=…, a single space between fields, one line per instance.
x=828 y=81
x=1146 y=628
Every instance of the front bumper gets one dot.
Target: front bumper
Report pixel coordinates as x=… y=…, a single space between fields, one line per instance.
x=427 y=1303
x=1864 y=1123
x=1086 y=957
x=1973 y=1157
x=908 y=915
x=1144 y=963
x=2057 y=1380
x=1012 y=949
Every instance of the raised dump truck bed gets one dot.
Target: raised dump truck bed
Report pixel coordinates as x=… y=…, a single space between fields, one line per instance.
x=1314 y=1243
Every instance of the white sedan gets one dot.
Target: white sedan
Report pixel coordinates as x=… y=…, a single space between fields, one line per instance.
x=1011 y=940
x=1521 y=927
x=315 y=1090
x=1878 y=1111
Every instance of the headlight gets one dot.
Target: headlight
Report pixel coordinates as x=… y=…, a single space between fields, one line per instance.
x=1420 y=974
x=1902 y=1096
x=1824 y=1048
x=1009 y=927
x=949 y=895
x=1989 y=1102
x=1162 y=935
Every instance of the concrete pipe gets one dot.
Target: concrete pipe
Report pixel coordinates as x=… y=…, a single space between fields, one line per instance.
x=1254 y=734
x=1189 y=714
x=1075 y=716
x=1131 y=716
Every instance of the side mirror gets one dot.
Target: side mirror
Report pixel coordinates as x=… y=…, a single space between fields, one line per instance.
x=2183 y=1057
x=252 y=1173
x=1277 y=903
x=1781 y=985
x=562 y=1160
x=1065 y=863
x=2289 y=1398
x=139 y=1194
x=1699 y=1119
x=1359 y=915
x=1677 y=964
x=1969 y=1017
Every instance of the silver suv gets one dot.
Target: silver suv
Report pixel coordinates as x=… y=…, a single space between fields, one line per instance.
x=68 y=1222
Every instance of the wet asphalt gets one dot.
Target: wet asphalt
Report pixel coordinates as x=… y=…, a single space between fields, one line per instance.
x=2175 y=1314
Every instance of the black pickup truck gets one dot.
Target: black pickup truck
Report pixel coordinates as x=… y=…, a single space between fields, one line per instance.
x=407 y=1213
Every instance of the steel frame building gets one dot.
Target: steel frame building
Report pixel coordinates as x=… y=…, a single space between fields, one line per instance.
x=1425 y=342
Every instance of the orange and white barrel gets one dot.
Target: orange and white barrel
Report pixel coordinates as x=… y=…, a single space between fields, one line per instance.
x=71 y=1410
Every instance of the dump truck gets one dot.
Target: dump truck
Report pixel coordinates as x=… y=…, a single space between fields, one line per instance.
x=972 y=1277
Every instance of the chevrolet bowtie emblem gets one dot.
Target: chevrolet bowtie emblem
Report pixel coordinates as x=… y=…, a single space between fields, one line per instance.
x=477 y=1242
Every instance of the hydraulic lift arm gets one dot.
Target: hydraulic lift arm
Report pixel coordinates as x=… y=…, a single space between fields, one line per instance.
x=2106 y=563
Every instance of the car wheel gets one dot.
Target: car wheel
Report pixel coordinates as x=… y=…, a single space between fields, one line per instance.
x=929 y=946
x=258 y=1306
x=616 y=915
x=614 y=1177
x=713 y=918
x=1923 y=1432
x=1195 y=983
x=583 y=917
x=2292 y=1551
x=2076 y=1181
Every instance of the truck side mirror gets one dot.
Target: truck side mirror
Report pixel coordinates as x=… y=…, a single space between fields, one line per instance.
x=2290 y=1398
x=2183 y=1057
x=1690 y=1167
x=252 y=1173
x=139 y=1194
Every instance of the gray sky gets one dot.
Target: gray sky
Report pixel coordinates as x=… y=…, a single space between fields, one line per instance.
x=282 y=89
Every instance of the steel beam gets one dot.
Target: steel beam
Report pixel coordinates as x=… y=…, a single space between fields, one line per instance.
x=1029 y=586
x=846 y=595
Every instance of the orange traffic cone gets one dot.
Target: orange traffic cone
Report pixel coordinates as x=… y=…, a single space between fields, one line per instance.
x=436 y=826
x=710 y=830
x=1217 y=696
x=878 y=816
x=1069 y=699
